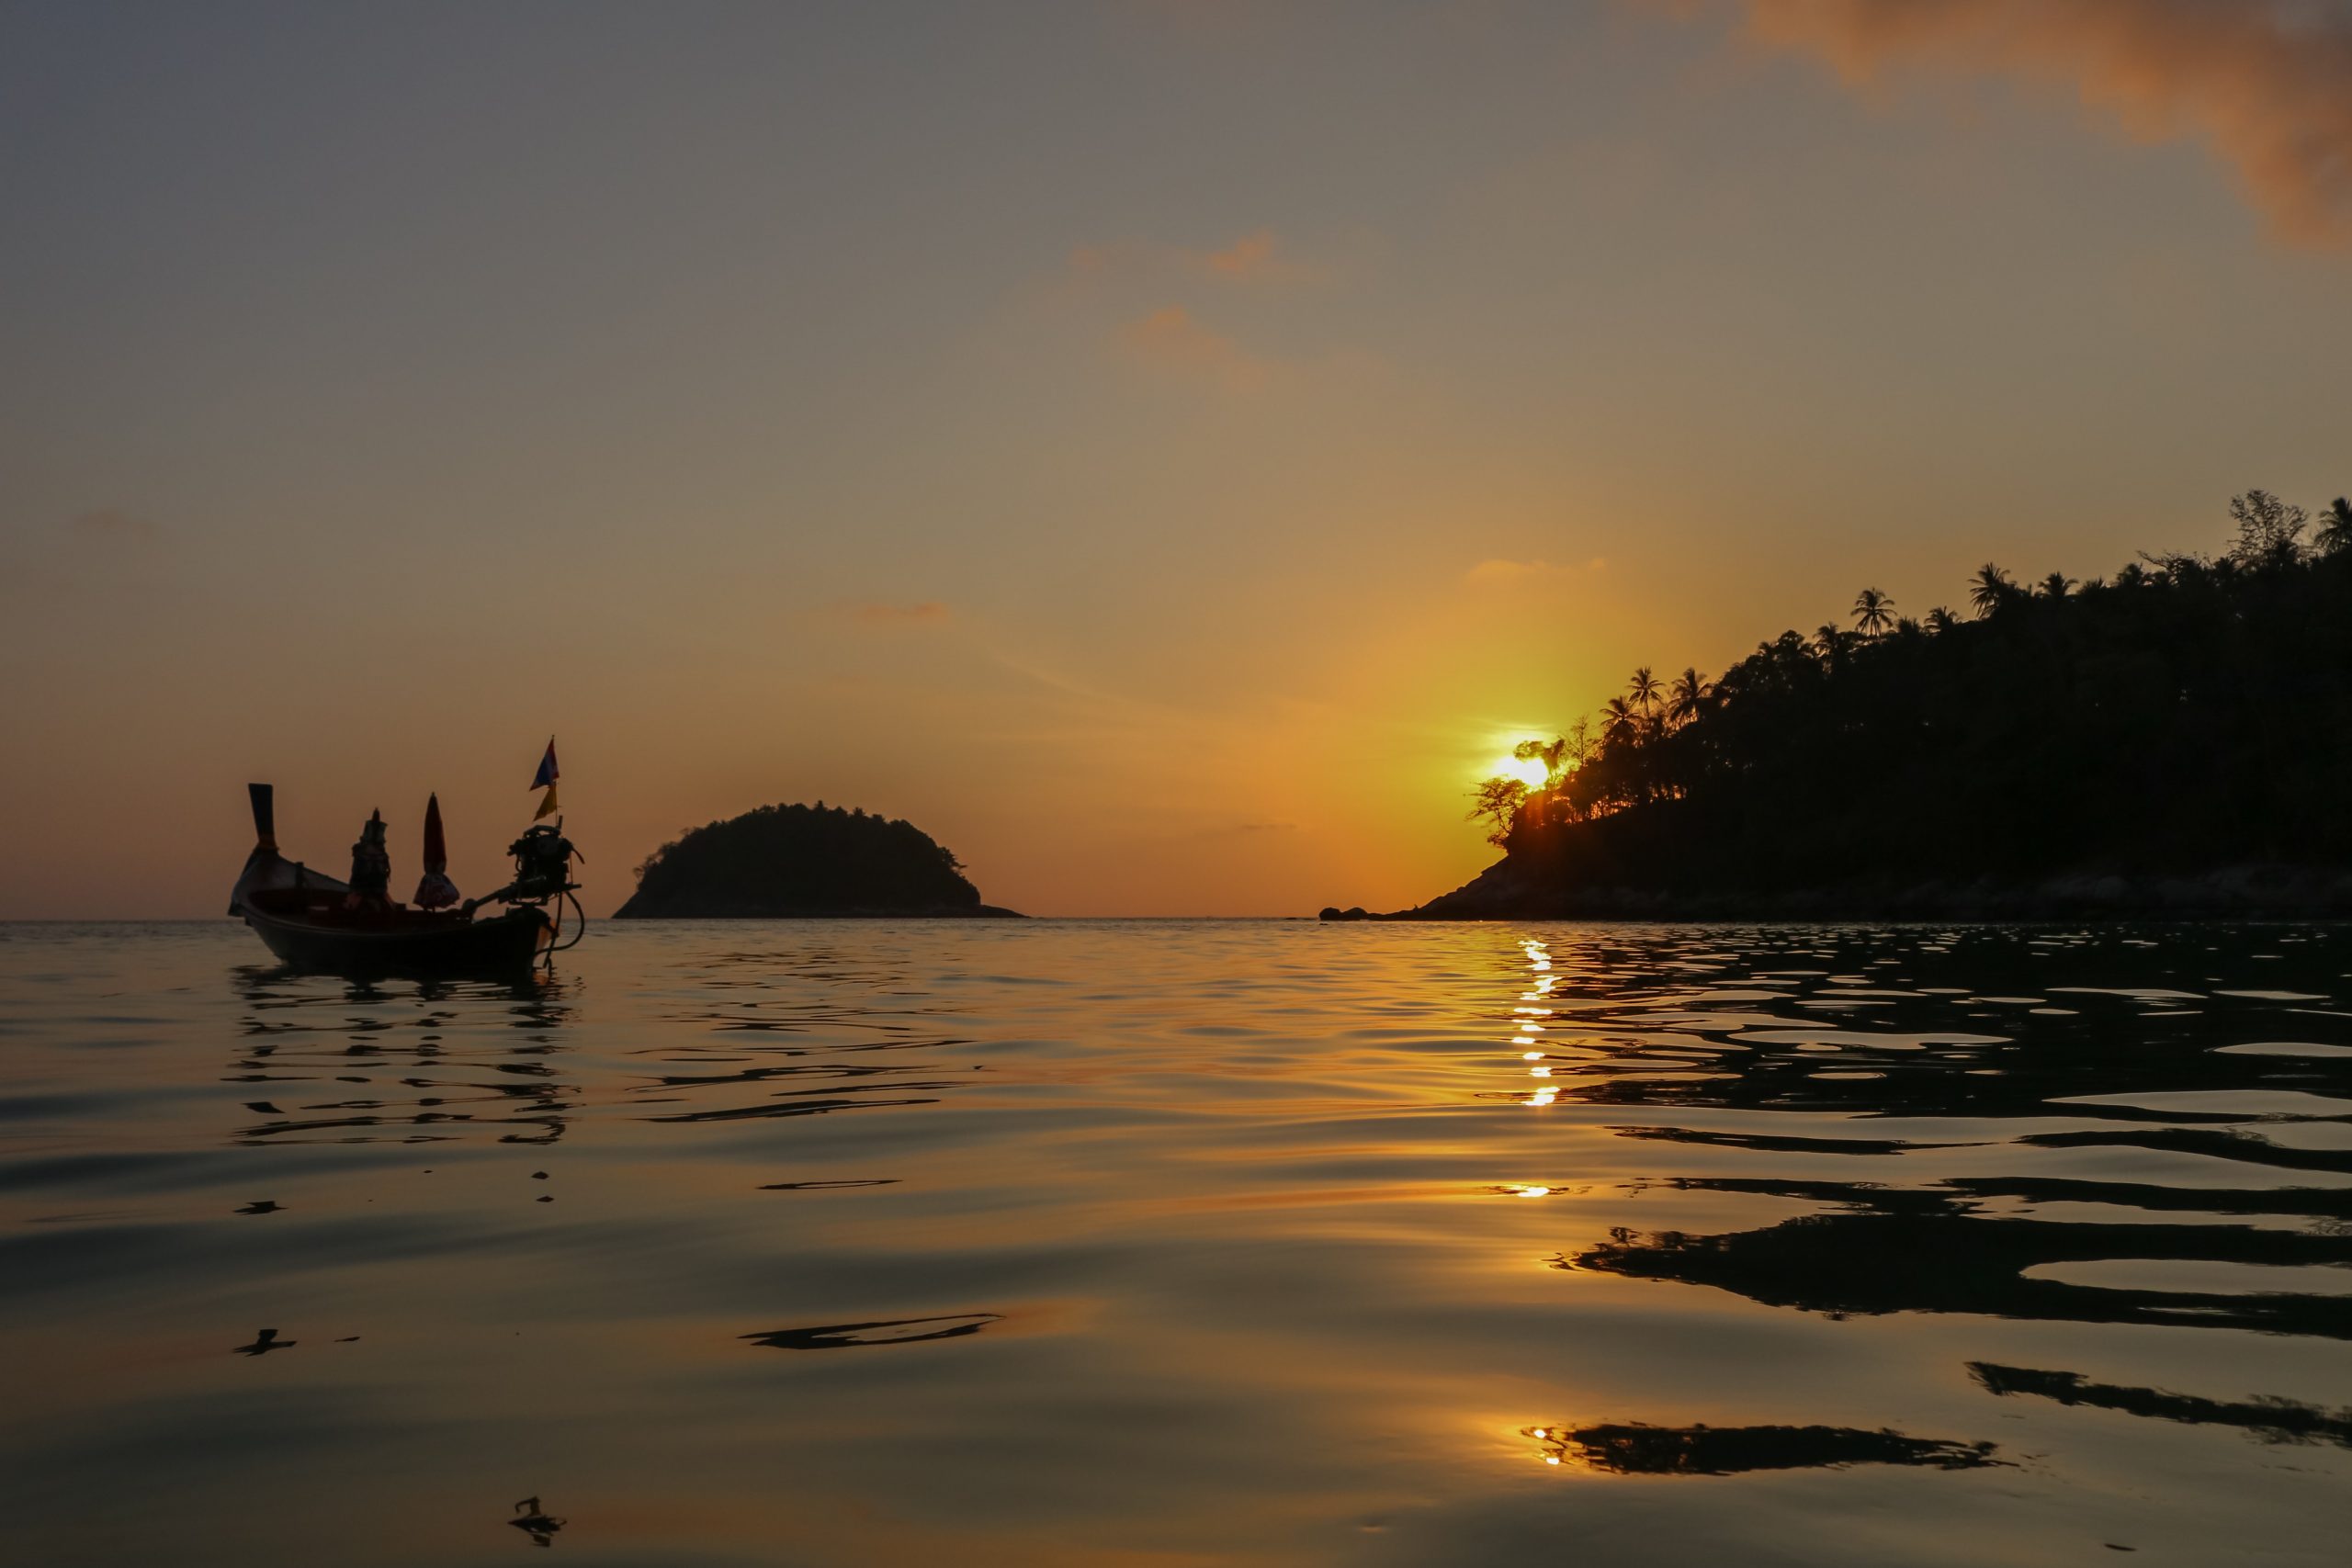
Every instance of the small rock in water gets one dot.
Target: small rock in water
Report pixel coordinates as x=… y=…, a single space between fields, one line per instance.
x=260 y=1206
x=264 y=1340
x=265 y=1107
x=539 y=1176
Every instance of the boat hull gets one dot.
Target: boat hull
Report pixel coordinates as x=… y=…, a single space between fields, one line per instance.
x=504 y=945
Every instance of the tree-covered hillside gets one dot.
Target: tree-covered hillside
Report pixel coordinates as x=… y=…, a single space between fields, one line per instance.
x=2188 y=714
x=802 y=860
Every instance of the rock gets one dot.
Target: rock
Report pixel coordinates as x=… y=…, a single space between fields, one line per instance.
x=804 y=861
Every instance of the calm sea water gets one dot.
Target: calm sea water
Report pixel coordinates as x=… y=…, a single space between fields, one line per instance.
x=1168 y=1243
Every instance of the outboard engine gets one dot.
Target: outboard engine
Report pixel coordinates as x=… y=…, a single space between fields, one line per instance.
x=542 y=864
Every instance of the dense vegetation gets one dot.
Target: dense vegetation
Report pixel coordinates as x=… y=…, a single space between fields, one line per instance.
x=2188 y=714
x=802 y=860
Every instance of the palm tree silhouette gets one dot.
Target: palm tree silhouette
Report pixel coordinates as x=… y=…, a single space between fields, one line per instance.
x=1646 y=690
x=1989 y=589
x=1686 y=696
x=1871 y=610
x=2223 y=674
x=2336 y=527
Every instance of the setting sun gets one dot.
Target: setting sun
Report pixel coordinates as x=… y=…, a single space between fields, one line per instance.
x=1529 y=771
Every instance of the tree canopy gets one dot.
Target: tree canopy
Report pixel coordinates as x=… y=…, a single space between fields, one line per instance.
x=2191 y=712
x=801 y=860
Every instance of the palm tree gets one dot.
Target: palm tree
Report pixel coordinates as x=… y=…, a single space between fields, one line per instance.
x=2055 y=585
x=1620 y=721
x=1940 y=620
x=2336 y=527
x=1989 y=589
x=1686 y=696
x=1646 y=690
x=1871 y=610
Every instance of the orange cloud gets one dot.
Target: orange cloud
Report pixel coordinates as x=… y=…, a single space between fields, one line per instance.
x=1249 y=256
x=1170 y=340
x=878 y=612
x=2267 y=84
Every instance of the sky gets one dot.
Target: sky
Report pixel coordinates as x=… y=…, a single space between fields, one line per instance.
x=1168 y=451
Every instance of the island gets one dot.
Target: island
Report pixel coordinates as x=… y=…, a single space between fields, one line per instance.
x=801 y=861
x=2173 y=740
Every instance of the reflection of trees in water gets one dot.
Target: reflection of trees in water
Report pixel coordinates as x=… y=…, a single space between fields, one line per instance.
x=2037 y=1039
x=1929 y=1251
x=888 y=1331
x=2269 y=1418
x=306 y=1028
x=1632 y=1448
x=2008 y=1028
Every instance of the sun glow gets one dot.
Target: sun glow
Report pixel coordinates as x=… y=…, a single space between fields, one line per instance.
x=1529 y=771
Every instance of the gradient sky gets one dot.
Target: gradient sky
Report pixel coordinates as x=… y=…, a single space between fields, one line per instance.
x=1165 y=450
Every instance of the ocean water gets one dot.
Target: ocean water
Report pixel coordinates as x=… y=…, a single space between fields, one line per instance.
x=1173 y=1243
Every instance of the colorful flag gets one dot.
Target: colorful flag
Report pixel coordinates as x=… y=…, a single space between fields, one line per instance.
x=547 y=773
x=547 y=804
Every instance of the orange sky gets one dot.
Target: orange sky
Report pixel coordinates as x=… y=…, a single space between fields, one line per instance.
x=1167 y=452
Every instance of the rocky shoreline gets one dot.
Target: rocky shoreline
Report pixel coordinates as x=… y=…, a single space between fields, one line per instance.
x=1508 y=892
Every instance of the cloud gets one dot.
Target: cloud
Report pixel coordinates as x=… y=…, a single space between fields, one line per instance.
x=104 y=523
x=2267 y=83
x=1170 y=340
x=882 y=613
x=1500 y=570
x=1258 y=258
x=1094 y=261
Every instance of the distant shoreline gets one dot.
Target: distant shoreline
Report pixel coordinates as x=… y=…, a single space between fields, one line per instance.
x=978 y=912
x=1505 y=892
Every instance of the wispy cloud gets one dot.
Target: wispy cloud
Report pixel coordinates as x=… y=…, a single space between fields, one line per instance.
x=1170 y=340
x=884 y=614
x=1258 y=258
x=1498 y=570
x=2267 y=83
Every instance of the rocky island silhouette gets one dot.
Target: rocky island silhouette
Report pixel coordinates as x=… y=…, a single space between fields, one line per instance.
x=796 y=861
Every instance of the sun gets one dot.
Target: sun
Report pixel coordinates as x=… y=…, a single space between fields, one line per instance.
x=1529 y=771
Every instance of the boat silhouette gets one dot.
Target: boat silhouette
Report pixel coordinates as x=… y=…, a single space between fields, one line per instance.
x=307 y=920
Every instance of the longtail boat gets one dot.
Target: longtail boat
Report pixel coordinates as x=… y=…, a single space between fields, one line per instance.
x=306 y=918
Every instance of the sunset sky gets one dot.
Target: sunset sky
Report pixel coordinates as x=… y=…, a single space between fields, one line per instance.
x=1166 y=451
